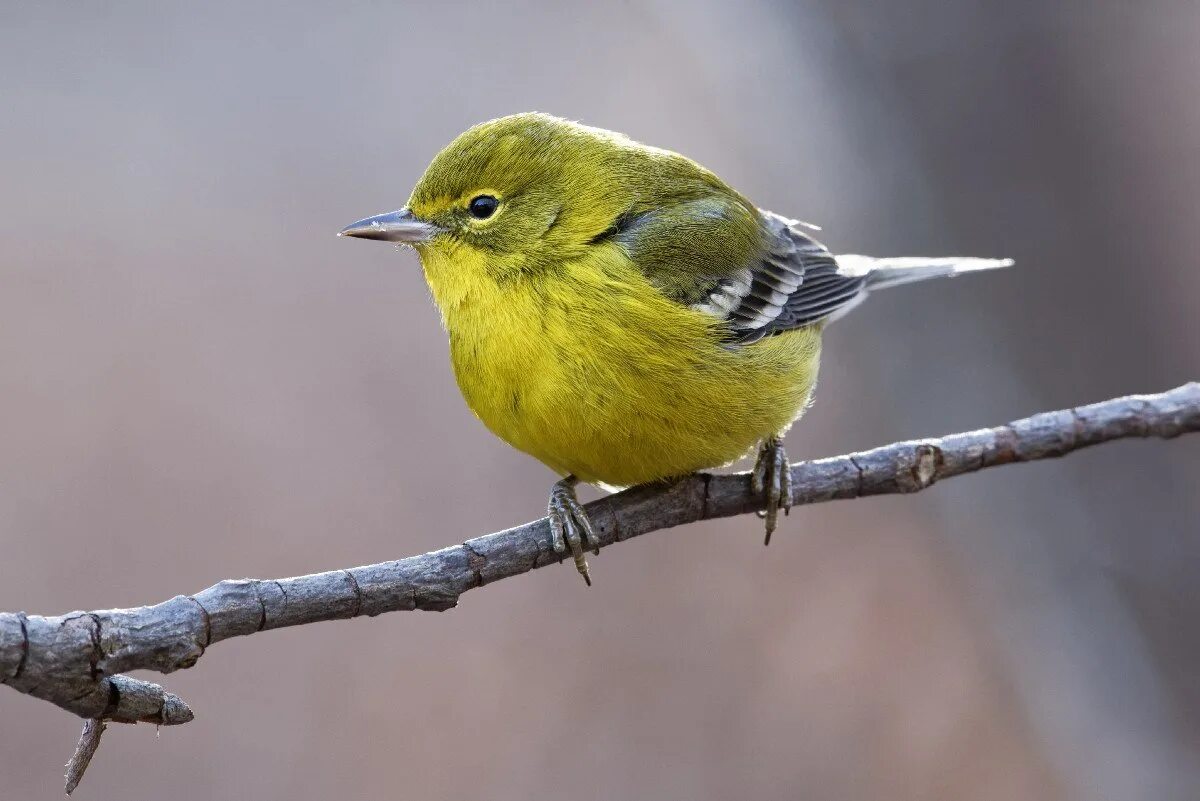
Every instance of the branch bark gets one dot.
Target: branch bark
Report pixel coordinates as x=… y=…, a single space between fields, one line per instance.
x=85 y=749
x=74 y=660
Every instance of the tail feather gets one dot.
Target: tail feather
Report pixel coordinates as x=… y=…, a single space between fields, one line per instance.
x=884 y=273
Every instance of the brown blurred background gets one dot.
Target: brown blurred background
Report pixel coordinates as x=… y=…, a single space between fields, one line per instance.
x=199 y=382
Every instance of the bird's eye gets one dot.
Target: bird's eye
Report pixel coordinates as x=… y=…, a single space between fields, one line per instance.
x=482 y=206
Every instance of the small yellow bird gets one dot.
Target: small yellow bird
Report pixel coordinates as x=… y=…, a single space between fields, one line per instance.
x=620 y=313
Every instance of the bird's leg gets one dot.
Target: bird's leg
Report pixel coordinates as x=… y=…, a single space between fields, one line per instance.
x=772 y=475
x=569 y=525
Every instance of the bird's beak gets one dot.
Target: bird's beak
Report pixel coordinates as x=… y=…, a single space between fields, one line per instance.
x=395 y=226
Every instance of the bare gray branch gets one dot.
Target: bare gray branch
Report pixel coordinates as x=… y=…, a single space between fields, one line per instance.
x=73 y=660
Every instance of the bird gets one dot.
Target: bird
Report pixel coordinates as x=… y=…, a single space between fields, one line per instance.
x=623 y=315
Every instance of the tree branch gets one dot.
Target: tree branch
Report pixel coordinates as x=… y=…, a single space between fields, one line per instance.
x=85 y=749
x=73 y=660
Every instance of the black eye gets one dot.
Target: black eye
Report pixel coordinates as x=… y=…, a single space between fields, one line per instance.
x=483 y=206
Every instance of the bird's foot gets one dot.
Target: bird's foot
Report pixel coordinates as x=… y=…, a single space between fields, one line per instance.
x=772 y=475
x=569 y=525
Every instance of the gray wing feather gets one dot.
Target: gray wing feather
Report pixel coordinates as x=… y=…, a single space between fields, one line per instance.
x=797 y=282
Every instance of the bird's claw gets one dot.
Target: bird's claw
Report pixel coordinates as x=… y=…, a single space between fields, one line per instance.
x=772 y=476
x=570 y=528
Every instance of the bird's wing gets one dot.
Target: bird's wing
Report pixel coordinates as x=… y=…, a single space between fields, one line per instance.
x=757 y=272
x=793 y=282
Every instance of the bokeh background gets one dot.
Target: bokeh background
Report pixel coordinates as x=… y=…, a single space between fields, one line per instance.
x=198 y=381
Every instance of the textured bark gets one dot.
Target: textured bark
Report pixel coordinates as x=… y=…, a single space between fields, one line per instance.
x=73 y=660
x=85 y=749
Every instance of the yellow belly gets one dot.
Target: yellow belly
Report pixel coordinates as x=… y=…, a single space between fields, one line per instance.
x=596 y=374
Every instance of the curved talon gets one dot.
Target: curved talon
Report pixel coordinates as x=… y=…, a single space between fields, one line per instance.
x=584 y=523
x=556 y=529
x=785 y=470
x=570 y=527
x=758 y=476
x=772 y=476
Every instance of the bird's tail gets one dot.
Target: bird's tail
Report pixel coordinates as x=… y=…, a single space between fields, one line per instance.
x=884 y=273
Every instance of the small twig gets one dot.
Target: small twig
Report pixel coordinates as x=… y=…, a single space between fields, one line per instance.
x=74 y=660
x=89 y=741
x=131 y=701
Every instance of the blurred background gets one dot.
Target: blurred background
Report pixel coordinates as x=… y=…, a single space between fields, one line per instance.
x=198 y=381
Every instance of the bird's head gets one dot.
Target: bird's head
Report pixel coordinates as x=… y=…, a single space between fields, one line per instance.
x=523 y=193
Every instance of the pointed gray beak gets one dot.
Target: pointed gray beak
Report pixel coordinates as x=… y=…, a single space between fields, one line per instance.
x=395 y=226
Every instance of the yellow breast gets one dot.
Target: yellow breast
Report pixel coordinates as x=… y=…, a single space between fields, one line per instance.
x=594 y=372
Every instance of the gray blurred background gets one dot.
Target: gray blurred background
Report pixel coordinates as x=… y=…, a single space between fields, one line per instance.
x=198 y=381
